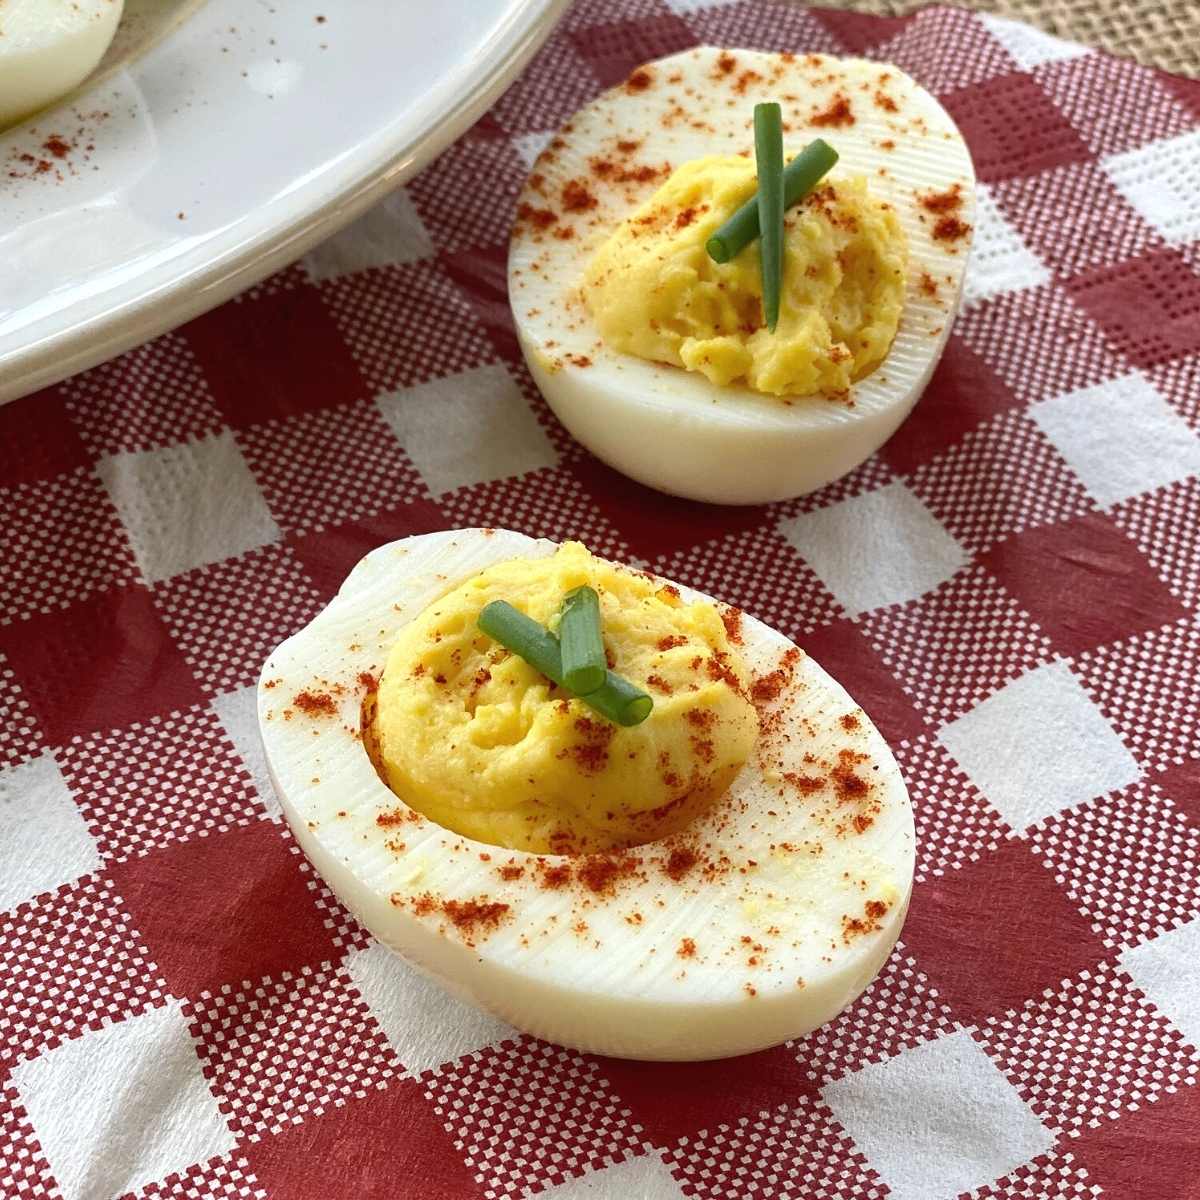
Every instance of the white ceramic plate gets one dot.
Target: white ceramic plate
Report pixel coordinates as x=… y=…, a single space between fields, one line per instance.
x=225 y=150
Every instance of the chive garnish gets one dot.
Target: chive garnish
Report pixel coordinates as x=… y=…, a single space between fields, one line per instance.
x=768 y=161
x=616 y=699
x=583 y=663
x=800 y=176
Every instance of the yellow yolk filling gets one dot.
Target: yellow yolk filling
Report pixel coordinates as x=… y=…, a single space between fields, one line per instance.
x=655 y=293
x=477 y=740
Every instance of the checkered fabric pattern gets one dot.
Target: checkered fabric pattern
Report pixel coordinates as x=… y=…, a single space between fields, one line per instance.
x=185 y=1009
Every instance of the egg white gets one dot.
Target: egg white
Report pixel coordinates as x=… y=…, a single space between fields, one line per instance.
x=48 y=47
x=670 y=428
x=612 y=987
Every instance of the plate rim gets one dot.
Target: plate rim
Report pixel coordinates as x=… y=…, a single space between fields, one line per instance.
x=148 y=312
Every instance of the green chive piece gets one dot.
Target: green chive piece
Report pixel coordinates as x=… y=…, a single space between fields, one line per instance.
x=800 y=176
x=583 y=663
x=523 y=636
x=616 y=699
x=768 y=161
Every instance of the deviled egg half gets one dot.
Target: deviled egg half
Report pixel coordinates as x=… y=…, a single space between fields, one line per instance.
x=48 y=47
x=657 y=357
x=717 y=876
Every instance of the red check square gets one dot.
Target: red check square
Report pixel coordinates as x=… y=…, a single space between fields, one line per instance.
x=38 y=439
x=613 y=50
x=227 y=908
x=70 y=961
x=1083 y=581
x=154 y=395
x=1013 y=128
x=963 y=393
x=528 y=1116
x=329 y=467
x=1143 y=1154
x=1090 y=1051
x=1149 y=307
x=1180 y=783
x=1185 y=90
x=229 y=616
x=671 y=1101
x=287 y=1049
x=859 y=33
x=849 y=657
x=482 y=277
x=328 y=555
x=652 y=524
x=996 y=932
x=1130 y=861
x=237 y=348
x=159 y=781
x=60 y=541
x=105 y=662
x=380 y=1146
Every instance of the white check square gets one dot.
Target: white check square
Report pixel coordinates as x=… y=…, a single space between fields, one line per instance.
x=1167 y=969
x=937 y=1120
x=425 y=1025
x=1000 y=260
x=122 y=1106
x=1161 y=181
x=1121 y=438
x=473 y=427
x=188 y=505
x=881 y=547
x=1039 y=745
x=44 y=840
x=1029 y=46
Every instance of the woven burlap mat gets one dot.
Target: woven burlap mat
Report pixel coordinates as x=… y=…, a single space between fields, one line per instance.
x=1159 y=33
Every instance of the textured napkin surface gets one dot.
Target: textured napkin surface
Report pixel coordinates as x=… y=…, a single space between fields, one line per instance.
x=1010 y=587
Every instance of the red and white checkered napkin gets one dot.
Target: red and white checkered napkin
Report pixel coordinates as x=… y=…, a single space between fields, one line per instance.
x=1010 y=587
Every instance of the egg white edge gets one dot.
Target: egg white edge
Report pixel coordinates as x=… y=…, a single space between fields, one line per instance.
x=526 y=987
x=794 y=448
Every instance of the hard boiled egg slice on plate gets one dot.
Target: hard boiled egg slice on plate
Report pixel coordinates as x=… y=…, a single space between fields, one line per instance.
x=762 y=919
x=672 y=428
x=47 y=47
